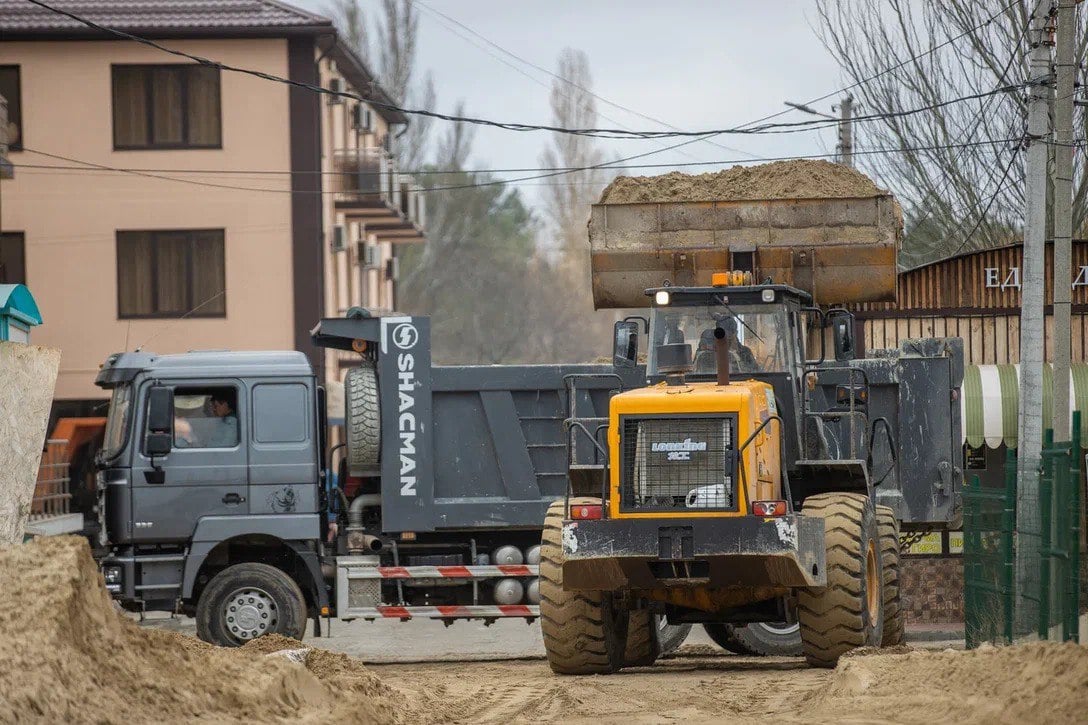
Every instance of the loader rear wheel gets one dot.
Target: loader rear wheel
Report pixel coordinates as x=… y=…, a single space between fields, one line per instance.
x=584 y=632
x=762 y=639
x=848 y=612
x=894 y=614
x=643 y=641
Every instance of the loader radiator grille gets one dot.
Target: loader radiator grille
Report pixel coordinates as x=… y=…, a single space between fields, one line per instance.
x=671 y=463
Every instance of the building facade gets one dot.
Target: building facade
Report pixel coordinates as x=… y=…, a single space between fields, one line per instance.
x=165 y=204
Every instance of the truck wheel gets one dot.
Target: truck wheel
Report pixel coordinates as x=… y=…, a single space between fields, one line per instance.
x=848 y=612
x=643 y=639
x=363 y=418
x=671 y=636
x=245 y=601
x=762 y=639
x=894 y=614
x=584 y=634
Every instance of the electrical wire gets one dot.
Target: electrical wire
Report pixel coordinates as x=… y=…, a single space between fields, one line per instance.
x=89 y=166
x=556 y=76
x=746 y=129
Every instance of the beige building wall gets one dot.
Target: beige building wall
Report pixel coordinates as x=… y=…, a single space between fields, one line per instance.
x=70 y=217
x=348 y=282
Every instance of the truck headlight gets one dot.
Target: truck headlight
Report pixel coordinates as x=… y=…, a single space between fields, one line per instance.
x=112 y=575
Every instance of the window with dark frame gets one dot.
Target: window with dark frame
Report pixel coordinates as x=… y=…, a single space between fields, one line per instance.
x=12 y=258
x=11 y=90
x=171 y=273
x=173 y=106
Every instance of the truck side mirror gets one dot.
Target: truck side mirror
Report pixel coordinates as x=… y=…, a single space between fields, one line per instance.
x=160 y=410
x=843 y=330
x=625 y=344
x=158 y=444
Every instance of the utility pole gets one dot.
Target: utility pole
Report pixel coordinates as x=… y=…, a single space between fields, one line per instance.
x=1030 y=433
x=846 y=131
x=844 y=150
x=1066 y=68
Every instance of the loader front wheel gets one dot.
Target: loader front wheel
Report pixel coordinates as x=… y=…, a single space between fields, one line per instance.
x=848 y=612
x=894 y=614
x=584 y=632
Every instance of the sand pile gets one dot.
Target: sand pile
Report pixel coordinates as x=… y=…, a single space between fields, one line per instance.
x=68 y=656
x=796 y=179
x=1037 y=683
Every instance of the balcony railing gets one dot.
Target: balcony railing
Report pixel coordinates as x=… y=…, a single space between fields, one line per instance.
x=50 y=512
x=363 y=176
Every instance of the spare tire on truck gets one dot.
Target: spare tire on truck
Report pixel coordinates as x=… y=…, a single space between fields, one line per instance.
x=362 y=418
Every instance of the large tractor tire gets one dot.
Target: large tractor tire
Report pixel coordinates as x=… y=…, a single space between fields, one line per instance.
x=246 y=601
x=649 y=636
x=848 y=612
x=671 y=635
x=894 y=614
x=643 y=645
x=362 y=419
x=584 y=633
x=759 y=638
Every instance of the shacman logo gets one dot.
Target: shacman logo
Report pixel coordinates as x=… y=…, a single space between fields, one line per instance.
x=679 y=451
x=405 y=336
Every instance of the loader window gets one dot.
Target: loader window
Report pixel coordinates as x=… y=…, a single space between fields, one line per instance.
x=760 y=343
x=206 y=417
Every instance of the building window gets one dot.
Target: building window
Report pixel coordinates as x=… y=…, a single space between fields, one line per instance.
x=12 y=92
x=166 y=107
x=174 y=273
x=12 y=258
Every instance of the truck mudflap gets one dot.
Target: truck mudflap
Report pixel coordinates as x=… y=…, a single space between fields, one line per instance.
x=741 y=551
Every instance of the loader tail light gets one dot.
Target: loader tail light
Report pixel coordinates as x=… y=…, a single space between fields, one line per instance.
x=586 y=512
x=768 y=508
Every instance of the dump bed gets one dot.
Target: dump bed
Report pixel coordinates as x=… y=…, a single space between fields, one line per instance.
x=840 y=247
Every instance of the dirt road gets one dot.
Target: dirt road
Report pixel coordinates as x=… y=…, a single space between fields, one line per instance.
x=687 y=688
x=1038 y=683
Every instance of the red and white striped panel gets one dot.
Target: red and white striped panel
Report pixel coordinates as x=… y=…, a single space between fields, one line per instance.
x=442 y=572
x=452 y=611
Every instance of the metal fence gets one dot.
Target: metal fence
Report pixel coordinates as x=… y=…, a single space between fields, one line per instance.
x=1048 y=602
x=51 y=492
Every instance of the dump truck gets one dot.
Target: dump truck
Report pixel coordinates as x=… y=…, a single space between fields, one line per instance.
x=764 y=472
x=216 y=494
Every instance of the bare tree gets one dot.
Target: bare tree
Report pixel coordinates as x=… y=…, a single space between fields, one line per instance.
x=577 y=331
x=387 y=42
x=955 y=197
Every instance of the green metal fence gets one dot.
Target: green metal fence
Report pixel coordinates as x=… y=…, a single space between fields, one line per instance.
x=991 y=529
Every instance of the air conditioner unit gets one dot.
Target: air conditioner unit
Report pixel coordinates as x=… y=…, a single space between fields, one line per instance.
x=338 y=236
x=361 y=119
x=392 y=269
x=370 y=255
x=336 y=85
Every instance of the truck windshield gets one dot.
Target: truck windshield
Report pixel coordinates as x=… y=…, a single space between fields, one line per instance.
x=758 y=336
x=117 y=422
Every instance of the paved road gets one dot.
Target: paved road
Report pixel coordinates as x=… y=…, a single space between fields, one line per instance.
x=390 y=641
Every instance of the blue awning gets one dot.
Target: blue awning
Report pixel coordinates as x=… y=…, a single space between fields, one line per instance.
x=17 y=303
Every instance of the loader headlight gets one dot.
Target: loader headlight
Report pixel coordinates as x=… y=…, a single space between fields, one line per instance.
x=768 y=295
x=662 y=297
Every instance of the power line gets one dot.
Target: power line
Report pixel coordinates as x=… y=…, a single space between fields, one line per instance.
x=91 y=166
x=746 y=129
x=556 y=76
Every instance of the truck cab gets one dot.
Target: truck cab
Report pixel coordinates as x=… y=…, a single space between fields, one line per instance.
x=211 y=459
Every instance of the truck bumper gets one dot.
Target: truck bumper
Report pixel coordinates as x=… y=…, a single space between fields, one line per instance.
x=741 y=551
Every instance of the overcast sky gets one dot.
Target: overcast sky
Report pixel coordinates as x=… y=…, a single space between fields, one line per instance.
x=696 y=64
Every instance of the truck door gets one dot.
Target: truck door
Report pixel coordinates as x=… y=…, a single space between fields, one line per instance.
x=205 y=473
